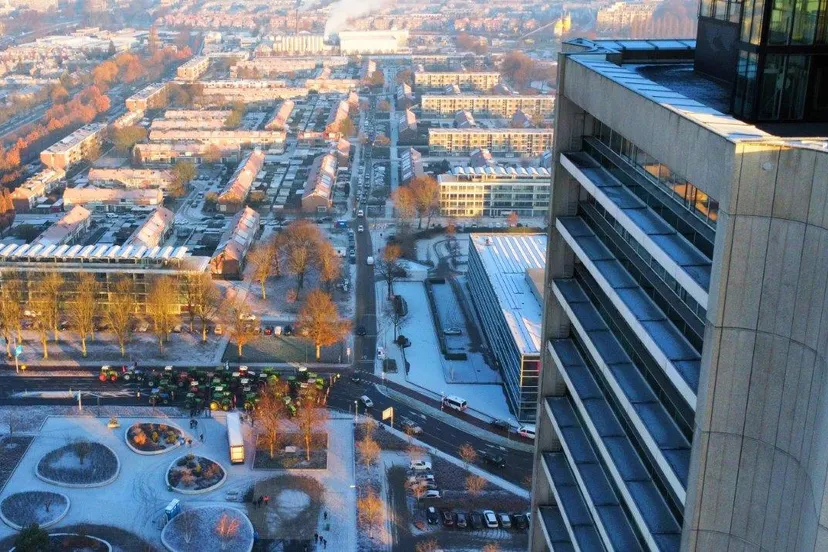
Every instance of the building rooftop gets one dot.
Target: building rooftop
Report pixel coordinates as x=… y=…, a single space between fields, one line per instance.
x=76 y=138
x=508 y=261
x=236 y=241
x=152 y=231
x=662 y=71
x=62 y=230
x=239 y=185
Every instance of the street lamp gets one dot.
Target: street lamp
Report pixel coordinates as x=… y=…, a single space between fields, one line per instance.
x=356 y=411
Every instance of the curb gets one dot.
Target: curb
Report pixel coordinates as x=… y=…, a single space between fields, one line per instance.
x=82 y=485
x=195 y=491
x=17 y=527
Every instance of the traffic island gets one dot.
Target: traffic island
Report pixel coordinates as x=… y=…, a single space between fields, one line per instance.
x=80 y=463
x=192 y=474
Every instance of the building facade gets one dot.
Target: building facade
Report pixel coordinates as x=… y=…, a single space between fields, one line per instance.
x=273 y=139
x=494 y=106
x=478 y=80
x=74 y=148
x=165 y=153
x=499 y=141
x=153 y=96
x=494 y=192
x=502 y=276
x=235 y=193
x=194 y=68
x=111 y=199
x=684 y=333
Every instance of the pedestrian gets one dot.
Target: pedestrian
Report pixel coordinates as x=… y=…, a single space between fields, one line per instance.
x=201 y=437
x=195 y=423
x=266 y=499
x=325 y=514
x=189 y=442
x=316 y=537
x=325 y=544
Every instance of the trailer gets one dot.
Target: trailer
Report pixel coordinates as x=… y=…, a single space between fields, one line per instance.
x=235 y=438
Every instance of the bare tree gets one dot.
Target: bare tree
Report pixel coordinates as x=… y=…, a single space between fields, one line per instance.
x=475 y=484
x=84 y=307
x=370 y=509
x=271 y=412
x=263 y=261
x=12 y=419
x=512 y=219
x=418 y=490
x=82 y=449
x=120 y=311
x=389 y=265
x=302 y=241
x=320 y=319
x=241 y=323
x=404 y=206
x=491 y=547
x=49 y=287
x=38 y=304
x=226 y=530
x=369 y=451
x=11 y=309
x=188 y=522
x=202 y=300
x=311 y=418
x=467 y=454
x=162 y=299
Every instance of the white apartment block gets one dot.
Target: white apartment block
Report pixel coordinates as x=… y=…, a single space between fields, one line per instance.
x=109 y=199
x=496 y=106
x=494 y=192
x=74 y=148
x=503 y=141
x=479 y=80
x=152 y=96
x=275 y=139
x=299 y=44
x=194 y=68
x=164 y=153
x=131 y=178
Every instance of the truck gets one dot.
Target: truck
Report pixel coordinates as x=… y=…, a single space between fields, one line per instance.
x=235 y=438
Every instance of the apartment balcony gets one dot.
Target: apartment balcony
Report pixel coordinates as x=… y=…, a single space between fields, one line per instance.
x=585 y=482
x=674 y=354
x=679 y=258
x=554 y=529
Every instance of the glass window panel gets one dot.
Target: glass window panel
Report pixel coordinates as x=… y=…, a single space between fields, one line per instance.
x=794 y=87
x=756 y=22
x=805 y=22
x=734 y=11
x=780 y=23
x=822 y=24
x=744 y=31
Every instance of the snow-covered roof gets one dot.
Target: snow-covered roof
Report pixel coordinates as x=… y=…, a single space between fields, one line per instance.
x=506 y=260
x=152 y=231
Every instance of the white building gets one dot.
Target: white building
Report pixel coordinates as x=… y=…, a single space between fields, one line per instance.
x=494 y=192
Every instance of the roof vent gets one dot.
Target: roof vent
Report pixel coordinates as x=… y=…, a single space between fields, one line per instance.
x=488 y=240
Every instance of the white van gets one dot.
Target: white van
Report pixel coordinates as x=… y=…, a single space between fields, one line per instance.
x=527 y=431
x=455 y=402
x=369 y=261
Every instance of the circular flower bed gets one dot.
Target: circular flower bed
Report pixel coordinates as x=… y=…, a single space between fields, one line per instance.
x=192 y=474
x=150 y=438
x=79 y=464
x=70 y=542
x=45 y=508
x=208 y=529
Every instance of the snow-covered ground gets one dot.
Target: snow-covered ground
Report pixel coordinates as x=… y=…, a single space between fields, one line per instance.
x=141 y=485
x=428 y=367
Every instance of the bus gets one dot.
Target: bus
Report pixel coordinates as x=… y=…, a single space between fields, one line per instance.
x=235 y=438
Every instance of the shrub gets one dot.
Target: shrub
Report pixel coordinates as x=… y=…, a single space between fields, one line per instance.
x=32 y=539
x=187 y=479
x=197 y=469
x=181 y=462
x=140 y=438
x=212 y=471
x=171 y=438
x=190 y=456
x=154 y=436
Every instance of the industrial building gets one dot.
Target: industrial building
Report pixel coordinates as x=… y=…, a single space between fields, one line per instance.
x=74 y=148
x=235 y=193
x=478 y=80
x=483 y=105
x=229 y=259
x=683 y=392
x=298 y=44
x=194 y=68
x=505 y=280
x=372 y=42
x=499 y=141
x=494 y=192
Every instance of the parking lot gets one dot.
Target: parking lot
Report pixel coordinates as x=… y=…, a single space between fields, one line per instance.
x=412 y=519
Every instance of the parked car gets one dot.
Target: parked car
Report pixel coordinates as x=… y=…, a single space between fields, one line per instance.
x=366 y=402
x=453 y=331
x=360 y=330
x=432 y=516
x=520 y=521
x=420 y=465
x=433 y=493
x=491 y=459
x=410 y=427
x=355 y=377
x=527 y=431
x=448 y=518
x=268 y=330
x=476 y=520
x=462 y=521
x=490 y=519
x=288 y=330
x=424 y=477
x=381 y=353
x=360 y=228
x=505 y=520
x=501 y=424
x=218 y=330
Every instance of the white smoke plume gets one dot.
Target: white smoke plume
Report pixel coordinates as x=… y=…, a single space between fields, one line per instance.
x=343 y=10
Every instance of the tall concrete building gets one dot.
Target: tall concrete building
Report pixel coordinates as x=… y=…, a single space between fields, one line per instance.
x=683 y=391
